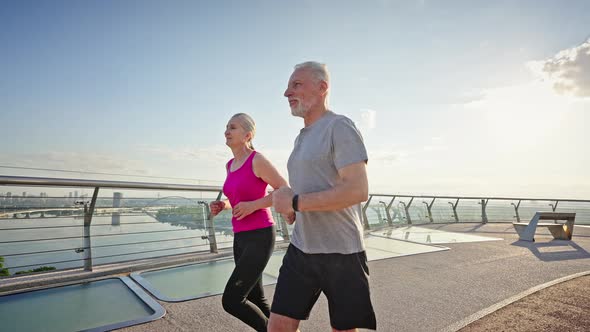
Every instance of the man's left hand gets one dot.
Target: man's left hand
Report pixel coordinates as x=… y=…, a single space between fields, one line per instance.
x=282 y=200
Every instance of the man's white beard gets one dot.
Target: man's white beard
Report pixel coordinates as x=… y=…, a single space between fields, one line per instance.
x=300 y=110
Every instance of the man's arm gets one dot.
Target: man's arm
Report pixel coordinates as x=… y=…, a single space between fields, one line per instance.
x=352 y=188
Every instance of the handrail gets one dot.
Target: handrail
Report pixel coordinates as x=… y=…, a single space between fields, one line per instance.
x=483 y=201
x=38 y=181
x=404 y=200
x=97 y=185
x=486 y=197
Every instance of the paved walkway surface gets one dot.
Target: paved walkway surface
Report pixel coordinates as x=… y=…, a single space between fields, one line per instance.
x=440 y=291
x=562 y=307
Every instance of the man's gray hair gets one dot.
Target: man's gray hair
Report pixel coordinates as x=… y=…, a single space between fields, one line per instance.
x=320 y=73
x=319 y=70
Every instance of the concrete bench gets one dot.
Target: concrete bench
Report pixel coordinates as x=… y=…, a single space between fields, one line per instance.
x=560 y=231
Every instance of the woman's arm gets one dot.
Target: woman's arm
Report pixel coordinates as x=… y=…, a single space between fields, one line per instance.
x=265 y=170
x=217 y=206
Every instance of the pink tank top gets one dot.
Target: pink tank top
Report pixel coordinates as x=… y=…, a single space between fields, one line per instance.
x=242 y=185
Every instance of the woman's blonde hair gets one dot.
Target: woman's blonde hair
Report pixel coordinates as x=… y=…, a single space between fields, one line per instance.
x=248 y=124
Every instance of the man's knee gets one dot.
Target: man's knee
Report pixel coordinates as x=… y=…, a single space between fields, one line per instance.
x=280 y=323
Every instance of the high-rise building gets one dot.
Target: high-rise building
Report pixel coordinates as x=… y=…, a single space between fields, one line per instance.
x=117 y=197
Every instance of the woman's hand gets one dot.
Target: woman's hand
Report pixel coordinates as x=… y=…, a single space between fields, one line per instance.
x=282 y=200
x=243 y=209
x=289 y=217
x=216 y=207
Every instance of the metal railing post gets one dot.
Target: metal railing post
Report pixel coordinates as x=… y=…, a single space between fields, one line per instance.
x=365 y=219
x=88 y=212
x=455 y=209
x=484 y=216
x=407 y=209
x=516 y=206
x=553 y=208
x=387 y=210
x=210 y=226
x=429 y=208
x=386 y=213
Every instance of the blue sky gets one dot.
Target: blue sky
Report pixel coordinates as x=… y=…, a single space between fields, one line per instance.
x=452 y=97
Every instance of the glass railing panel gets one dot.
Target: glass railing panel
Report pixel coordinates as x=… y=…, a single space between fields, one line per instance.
x=43 y=226
x=39 y=231
x=582 y=211
x=442 y=212
x=78 y=307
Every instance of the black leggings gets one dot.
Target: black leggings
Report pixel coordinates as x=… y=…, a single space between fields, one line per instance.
x=243 y=296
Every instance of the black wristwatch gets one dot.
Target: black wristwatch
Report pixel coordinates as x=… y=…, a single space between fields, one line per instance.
x=296 y=202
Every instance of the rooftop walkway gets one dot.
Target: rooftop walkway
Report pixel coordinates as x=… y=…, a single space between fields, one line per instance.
x=448 y=290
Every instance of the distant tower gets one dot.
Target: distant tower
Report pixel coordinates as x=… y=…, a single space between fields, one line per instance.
x=116 y=215
x=117 y=197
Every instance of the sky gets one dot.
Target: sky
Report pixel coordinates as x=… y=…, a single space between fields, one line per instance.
x=486 y=98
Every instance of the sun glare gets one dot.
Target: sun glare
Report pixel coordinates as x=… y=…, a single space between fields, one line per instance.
x=521 y=112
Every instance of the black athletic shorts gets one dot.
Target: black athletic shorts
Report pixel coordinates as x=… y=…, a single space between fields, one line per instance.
x=344 y=279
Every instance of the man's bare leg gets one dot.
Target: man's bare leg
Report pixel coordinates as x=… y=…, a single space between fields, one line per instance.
x=280 y=323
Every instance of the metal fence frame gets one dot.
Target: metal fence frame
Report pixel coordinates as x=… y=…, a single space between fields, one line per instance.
x=482 y=200
x=89 y=206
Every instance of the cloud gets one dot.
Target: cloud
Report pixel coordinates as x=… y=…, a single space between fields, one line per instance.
x=568 y=71
x=215 y=154
x=84 y=161
x=210 y=160
x=436 y=144
x=523 y=98
x=559 y=81
x=467 y=97
x=75 y=163
x=385 y=157
x=368 y=119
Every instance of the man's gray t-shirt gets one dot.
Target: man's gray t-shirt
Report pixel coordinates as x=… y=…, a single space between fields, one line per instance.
x=321 y=149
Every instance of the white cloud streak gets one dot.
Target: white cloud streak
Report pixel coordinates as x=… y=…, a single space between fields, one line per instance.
x=568 y=71
x=368 y=118
x=214 y=154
